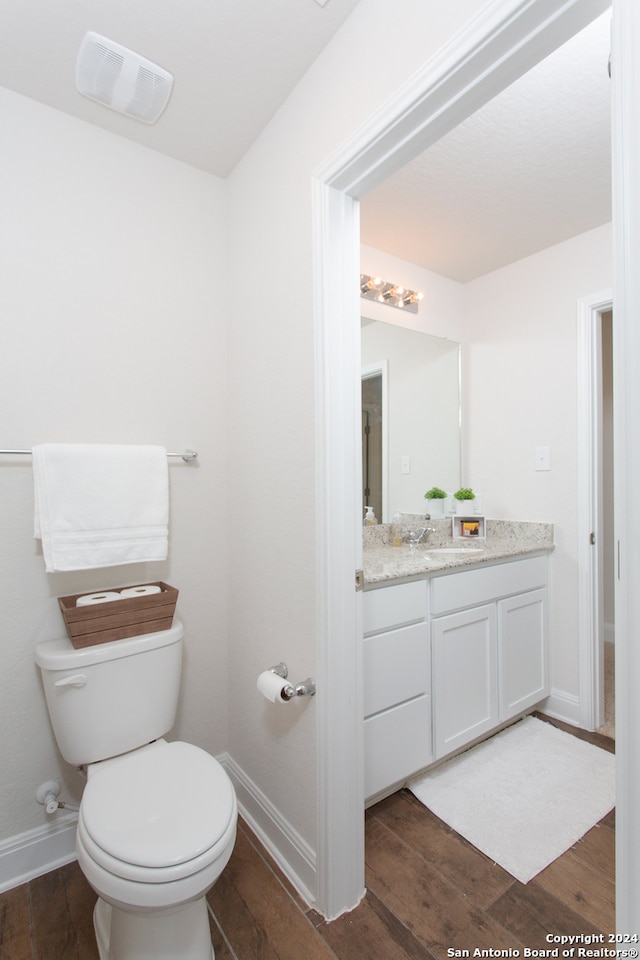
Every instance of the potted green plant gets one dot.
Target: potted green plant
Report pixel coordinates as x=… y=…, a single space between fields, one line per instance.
x=464 y=498
x=435 y=498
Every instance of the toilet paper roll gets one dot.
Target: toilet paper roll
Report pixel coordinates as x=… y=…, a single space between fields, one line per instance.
x=103 y=597
x=271 y=686
x=142 y=591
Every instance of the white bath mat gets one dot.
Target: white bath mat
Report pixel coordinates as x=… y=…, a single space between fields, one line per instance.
x=524 y=796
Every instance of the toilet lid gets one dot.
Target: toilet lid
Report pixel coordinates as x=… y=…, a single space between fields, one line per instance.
x=160 y=806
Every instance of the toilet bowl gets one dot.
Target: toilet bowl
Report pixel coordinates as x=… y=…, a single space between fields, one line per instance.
x=156 y=828
x=157 y=818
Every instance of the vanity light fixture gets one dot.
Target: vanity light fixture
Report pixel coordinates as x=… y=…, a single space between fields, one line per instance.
x=373 y=288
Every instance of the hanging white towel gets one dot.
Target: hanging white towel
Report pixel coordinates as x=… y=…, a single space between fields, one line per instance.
x=100 y=505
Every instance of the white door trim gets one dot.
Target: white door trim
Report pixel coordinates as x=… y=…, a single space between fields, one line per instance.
x=340 y=705
x=589 y=495
x=500 y=44
x=626 y=418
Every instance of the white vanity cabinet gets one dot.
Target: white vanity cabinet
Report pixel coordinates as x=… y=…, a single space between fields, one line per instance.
x=489 y=648
x=447 y=660
x=397 y=726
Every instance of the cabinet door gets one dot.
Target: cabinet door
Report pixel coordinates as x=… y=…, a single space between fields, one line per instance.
x=522 y=641
x=465 y=677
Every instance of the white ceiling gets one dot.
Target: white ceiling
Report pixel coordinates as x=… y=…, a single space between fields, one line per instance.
x=530 y=169
x=234 y=62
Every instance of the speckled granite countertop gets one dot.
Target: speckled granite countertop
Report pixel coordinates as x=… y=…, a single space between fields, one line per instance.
x=505 y=539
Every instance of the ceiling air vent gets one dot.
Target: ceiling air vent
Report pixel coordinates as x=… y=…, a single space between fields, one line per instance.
x=121 y=79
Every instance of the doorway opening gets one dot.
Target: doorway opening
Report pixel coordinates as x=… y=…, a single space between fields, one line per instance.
x=607 y=716
x=373 y=439
x=493 y=52
x=597 y=564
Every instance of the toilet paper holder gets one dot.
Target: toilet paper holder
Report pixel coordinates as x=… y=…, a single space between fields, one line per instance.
x=306 y=688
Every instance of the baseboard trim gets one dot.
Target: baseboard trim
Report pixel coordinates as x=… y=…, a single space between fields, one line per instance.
x=35 y=852
x=39 y=851
x=562 y=706
x=290 y=851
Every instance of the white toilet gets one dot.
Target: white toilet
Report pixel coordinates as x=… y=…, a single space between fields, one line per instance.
x=157 y=821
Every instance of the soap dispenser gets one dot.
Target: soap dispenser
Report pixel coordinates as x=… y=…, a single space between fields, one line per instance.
x=369 y=517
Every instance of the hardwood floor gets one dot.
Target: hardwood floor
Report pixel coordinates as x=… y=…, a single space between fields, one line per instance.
x=428 y=891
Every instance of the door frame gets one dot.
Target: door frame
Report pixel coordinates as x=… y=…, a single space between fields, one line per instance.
x=589 y=501
x=497 y=46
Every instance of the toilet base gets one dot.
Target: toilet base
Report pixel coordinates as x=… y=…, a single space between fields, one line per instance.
x=180 y=933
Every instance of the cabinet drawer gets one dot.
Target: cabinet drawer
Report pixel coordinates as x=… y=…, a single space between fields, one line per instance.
x=394 y=606
x=396 y=667
x=473 y=587
x=397 y=744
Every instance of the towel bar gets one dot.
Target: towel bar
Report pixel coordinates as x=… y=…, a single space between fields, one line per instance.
x=186 y=455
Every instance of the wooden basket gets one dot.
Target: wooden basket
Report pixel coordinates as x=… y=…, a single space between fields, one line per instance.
x=118 y=619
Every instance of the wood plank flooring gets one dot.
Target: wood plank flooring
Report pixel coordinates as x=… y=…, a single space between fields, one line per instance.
x=428 y=891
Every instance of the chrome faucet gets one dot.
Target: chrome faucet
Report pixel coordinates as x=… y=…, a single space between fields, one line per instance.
x=415 y=536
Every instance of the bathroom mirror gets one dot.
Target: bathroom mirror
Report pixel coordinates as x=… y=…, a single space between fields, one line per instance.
x=410 y=417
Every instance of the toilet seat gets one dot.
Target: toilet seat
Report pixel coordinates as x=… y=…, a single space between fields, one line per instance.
x=158 y=814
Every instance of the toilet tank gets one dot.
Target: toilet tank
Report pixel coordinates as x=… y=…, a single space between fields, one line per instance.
x=106 y=699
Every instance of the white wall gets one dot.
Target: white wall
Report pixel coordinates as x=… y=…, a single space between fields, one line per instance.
x=441 y=314
x=520 y=385
x=112 y=316
x=122 y=253
x=442 y=309
x=113 y=264
x=272 y=412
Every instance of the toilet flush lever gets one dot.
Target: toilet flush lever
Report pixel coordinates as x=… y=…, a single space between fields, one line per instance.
x=75 y=680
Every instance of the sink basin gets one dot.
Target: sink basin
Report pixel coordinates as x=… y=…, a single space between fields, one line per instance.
x=455 y=550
